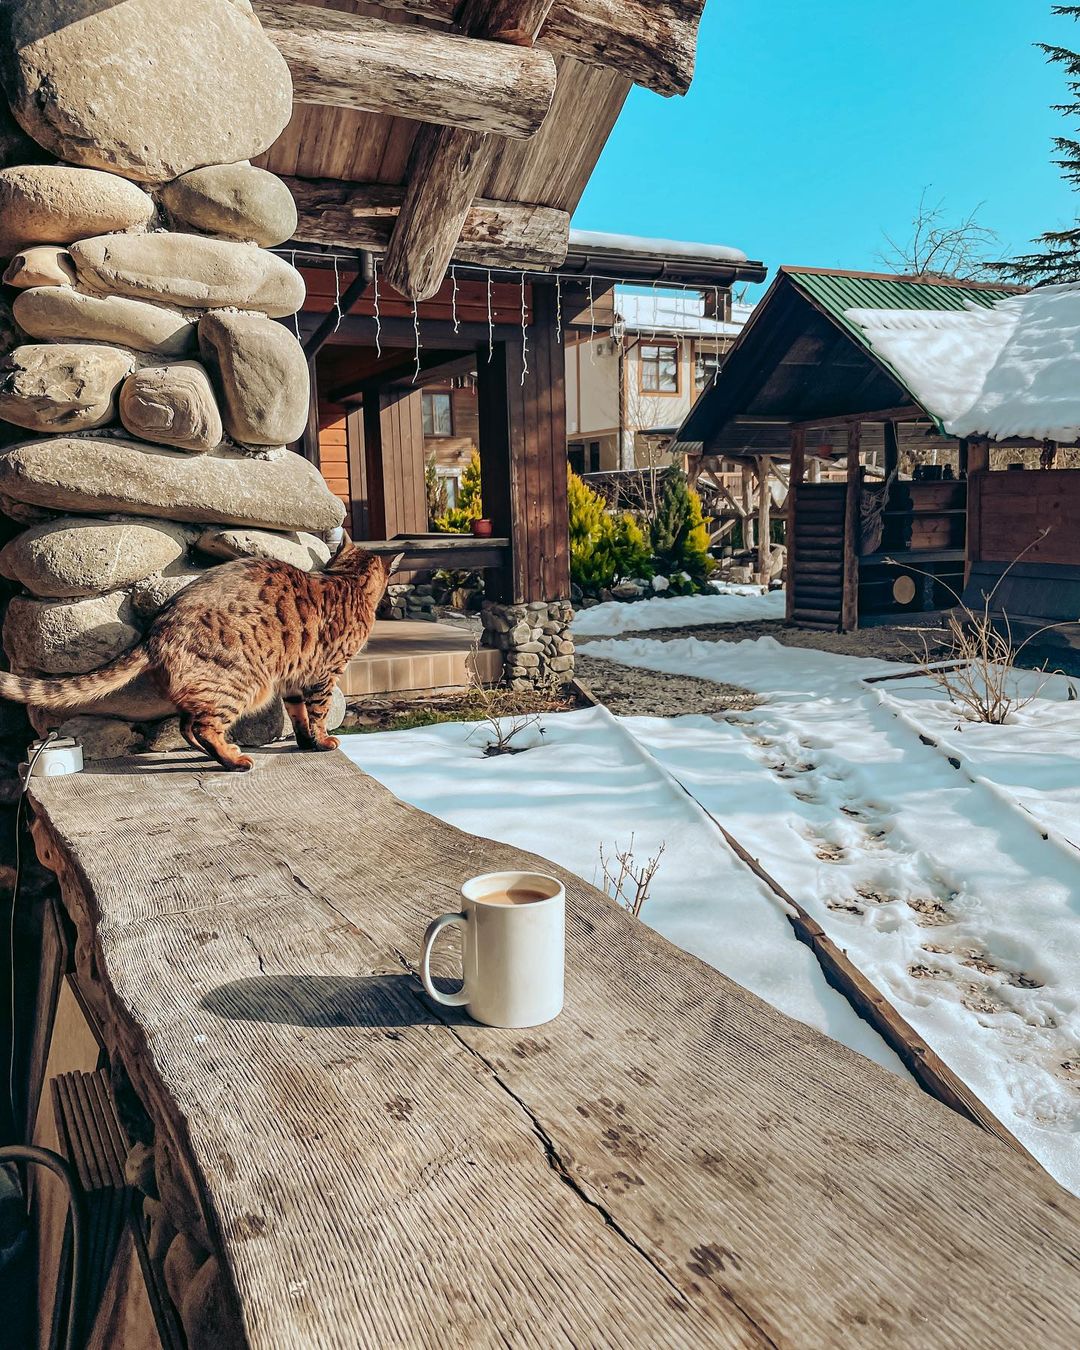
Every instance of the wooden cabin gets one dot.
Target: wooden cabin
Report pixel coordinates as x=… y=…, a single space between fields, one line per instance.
x=804 y=385
x=435 y=155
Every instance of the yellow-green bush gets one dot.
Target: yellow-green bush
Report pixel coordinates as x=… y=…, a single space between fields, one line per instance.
x=604 y=547
x=470 y=505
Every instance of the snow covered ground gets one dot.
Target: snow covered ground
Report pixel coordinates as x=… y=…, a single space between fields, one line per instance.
x=585 y=783
x=938 y=881
x=730 y=604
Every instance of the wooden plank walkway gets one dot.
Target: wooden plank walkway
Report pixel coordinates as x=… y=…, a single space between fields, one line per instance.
x=670 y=1163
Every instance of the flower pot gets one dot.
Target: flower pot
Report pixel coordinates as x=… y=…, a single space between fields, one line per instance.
x=483 y=528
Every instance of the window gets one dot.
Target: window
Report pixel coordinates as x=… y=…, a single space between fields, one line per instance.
x=438 y=414
x=594 y=456
x=707 y=361
x=659 y=368
x=576 y=455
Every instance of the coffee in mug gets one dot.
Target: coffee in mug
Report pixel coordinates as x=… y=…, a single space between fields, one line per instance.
x=513 y=949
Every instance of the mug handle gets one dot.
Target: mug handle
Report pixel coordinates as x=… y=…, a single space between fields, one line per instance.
x=459 y=999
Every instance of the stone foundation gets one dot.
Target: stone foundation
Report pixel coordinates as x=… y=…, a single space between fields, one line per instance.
x=146 y=393
x=535 y=641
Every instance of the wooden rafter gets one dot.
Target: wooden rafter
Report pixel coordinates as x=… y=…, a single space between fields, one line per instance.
x=448 y=165
x=363 y=215
x=430 y=75
x=653 y=42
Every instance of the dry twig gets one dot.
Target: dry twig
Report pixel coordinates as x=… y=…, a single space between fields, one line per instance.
x=622 y=872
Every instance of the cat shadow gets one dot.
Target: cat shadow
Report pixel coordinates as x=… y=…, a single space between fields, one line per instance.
x=187 y=761
x=324 y=1001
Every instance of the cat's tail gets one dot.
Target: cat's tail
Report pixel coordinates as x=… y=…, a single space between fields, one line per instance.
x=76 y=691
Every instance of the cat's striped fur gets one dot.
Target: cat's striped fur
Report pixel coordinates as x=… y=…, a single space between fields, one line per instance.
x=244 y=634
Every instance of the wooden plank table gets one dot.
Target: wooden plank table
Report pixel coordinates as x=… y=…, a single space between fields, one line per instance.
x=670 y=1163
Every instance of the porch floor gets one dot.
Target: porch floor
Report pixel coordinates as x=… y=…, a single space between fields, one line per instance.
x=414 y=657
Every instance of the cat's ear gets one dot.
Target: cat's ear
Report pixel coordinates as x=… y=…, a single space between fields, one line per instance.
x=394 y=564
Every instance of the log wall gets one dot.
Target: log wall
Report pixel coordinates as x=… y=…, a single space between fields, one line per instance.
x=1015 y=507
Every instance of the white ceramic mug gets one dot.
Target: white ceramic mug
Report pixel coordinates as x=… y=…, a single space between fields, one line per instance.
x=513 y=955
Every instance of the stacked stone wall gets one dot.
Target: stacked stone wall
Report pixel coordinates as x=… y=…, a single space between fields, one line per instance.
x=147 y=387
x=538 y=651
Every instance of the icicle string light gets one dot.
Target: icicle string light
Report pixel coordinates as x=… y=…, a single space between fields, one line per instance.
x=558 y=308
x=416 y=336
x=592 y=322
x=453 y=301
x=491 y=320
x=378 y=316
x=716 y=344
x=337 y=294
x=524 y=335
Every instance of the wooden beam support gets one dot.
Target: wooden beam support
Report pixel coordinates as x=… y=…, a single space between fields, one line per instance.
x=892 y=449
x=363 y=215
x=849 y=614
x=405 y=70
x=364 y=276
x=654 y=44
x=446 y=168
x=764 y=463
x=434 y=365
x=795 y=477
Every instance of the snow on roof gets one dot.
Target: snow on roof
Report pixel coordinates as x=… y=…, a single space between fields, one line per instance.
x=672 y=248
x=674 y=312
x=1009 y=371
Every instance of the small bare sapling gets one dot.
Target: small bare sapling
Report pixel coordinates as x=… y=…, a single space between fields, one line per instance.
x=625 y=880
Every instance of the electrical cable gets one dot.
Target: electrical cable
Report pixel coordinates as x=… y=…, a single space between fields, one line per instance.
x=43 y=1157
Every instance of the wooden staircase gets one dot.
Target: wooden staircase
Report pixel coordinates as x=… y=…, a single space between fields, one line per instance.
x=817 y=581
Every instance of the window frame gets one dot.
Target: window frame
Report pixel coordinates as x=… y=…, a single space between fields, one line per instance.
x=432 y=394
x=660 y=346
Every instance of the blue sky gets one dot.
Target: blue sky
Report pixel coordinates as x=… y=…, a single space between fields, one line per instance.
x=812 y=127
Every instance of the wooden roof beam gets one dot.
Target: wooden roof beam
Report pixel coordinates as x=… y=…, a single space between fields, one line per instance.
x=652 y=42
x=351 y=61
x=448 y=165
x=363 y=215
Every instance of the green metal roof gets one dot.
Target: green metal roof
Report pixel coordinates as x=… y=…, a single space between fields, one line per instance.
x=837 y=292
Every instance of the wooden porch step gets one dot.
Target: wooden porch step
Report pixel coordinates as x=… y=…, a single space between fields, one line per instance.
x=411 y=658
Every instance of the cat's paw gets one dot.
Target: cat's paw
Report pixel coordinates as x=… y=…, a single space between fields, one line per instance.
x=242 y=764
x=327 y=743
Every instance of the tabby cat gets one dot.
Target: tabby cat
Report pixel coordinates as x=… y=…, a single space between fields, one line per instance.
x=230 y=642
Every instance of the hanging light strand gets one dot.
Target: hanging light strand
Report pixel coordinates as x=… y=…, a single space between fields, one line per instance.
x=375 y=297
x=337 y=294
x=558 y=308
x=491 y=320
x=524 y=334
x=416 y=337
x=453 y=300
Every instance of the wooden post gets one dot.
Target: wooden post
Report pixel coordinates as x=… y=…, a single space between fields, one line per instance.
x=308 y=444
x=522 y=444
x=749 y=540
x=978 y=462
x=394 y=461
x=764 y=465
x=795 y=475
x=962 y=458
x=813 y=473
x=849 y=614
x=892 y=449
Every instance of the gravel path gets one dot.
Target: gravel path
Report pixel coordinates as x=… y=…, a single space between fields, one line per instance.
x=631 y=692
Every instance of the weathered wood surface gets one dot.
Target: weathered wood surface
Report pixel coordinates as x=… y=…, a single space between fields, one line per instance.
x=447 y=166
x=363 y=215
x=654 y=42
x=354 y=61
x=670 y=1163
